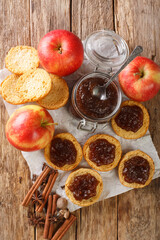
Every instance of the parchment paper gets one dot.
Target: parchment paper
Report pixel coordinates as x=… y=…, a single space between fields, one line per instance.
x=66 y=123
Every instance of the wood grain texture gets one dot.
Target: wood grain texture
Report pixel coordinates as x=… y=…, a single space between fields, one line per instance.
x=14 y=172
x=89 y=16
x=48 y=15
x=138 y=210
x=100 y=220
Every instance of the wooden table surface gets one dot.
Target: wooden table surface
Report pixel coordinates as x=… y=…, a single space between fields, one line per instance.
x=134 y=215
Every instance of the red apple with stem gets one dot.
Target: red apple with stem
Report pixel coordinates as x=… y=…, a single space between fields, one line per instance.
x=30 y=128
x=140 y=80
x=60 y=52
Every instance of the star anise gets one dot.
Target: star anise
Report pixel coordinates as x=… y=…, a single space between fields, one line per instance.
x=56 y=217
x=37 y=198
x=35 y=220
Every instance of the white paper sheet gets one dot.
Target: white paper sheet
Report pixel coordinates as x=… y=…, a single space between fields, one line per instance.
x=66 y=123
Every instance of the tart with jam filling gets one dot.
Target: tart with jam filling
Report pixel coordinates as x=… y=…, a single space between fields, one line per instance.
x=102 y=152
x=63 y=152
x=136 y=169
x=131 y=121
x=84 y=187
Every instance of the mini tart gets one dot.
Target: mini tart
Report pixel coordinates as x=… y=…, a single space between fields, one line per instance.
x=130 y=134
x=84 y=202
x=111 y=140
x=127 y=157
x=66 y=167
x=58 y=96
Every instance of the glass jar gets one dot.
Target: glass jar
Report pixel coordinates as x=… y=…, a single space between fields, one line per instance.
x=106 y=51
x=89 y=123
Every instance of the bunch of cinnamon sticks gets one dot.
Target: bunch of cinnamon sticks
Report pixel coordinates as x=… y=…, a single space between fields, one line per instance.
x=50 y=175
x=45 y=181
x=49 y=222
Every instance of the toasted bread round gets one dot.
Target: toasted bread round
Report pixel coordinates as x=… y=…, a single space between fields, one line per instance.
x=34 y=85
x=76 y=145
x=9 y=92
x=79 y=172
x=58 y=96
x=130 y=134
x=127 y=157
x=21 y=59
x=103 y=151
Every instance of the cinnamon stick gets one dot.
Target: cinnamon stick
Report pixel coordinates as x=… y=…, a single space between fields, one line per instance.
x=39 y=208
x=47 y=223
x=48 y=184
x=64 y=228
x=54 y=206
x=35 y=186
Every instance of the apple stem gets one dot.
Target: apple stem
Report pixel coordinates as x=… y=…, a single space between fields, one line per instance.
x=60 y=50
x=45 y=123
x=141 y=74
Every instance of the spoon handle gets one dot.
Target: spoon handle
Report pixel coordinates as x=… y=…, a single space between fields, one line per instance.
x=134 y=54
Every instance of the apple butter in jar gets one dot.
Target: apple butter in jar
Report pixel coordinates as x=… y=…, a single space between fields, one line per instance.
x=106 y=52
x=90 y=109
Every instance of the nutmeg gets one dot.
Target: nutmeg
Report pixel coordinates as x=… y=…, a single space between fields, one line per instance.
x=64 y=212
x=62 y=203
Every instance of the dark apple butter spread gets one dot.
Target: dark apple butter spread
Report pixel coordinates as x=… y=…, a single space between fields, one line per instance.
x=92 y=106
x=136 y=170
x=101 y=152
x=130 y=118
x=62 y=152
x=84 y=186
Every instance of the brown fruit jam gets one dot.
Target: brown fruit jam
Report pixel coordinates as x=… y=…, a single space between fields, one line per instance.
x=84 y=187
x=101 y=152
x=136 y=170
x=130 y=118
x=62 y=152
x=92 y=106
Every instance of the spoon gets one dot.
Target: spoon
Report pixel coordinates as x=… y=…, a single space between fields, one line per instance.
x=100 y=91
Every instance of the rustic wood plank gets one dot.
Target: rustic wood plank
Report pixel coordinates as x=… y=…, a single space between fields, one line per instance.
x=138 y=210
x=89 y=16
x=45 y=16
x=14 y=172
x=100 y=220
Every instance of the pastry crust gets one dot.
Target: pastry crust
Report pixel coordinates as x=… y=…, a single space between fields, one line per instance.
x=66 y=167
x=99 y=189
x=58 y=96
x=110 y=139
x=34 y=85
x=128 y=156
x=129 y=134
x=21 y=59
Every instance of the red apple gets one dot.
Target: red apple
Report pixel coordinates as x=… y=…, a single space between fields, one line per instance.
x=60 y=52
x=140 y=80
x=30 y=128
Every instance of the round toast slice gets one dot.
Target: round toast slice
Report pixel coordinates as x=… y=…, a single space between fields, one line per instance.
x=34 y=85
x=58 y=96
x=82 y=172
x=21 y=59
x=130 y=134
x=9 y=92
